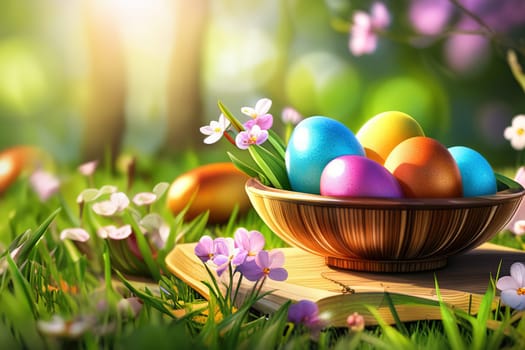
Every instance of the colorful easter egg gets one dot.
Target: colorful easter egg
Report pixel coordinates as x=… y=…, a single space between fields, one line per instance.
x=357 y=176
x=425 y=168
x=216 y=187
x=381 y=133
x=477 y=176
x=314 y=142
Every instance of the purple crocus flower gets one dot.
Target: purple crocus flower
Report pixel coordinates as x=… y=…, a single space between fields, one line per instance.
x=266 y=264
x=513 y=287
x=205 y=249
x=225 y=252
x=305 y=312
x=249 y=243
x=253 y=136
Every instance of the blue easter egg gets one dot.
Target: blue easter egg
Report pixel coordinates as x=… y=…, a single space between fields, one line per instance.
x=314 y=142
x=477 y=176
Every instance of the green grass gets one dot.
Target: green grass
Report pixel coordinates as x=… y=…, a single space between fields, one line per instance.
x=49 y=277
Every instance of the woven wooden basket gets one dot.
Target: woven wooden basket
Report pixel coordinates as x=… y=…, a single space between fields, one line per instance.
x=385 y=235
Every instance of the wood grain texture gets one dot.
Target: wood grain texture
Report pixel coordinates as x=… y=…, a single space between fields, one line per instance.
x=383 y=235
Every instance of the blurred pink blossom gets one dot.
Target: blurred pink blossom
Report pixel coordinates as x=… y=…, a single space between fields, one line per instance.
x=88 y=169
x=44 y=184
x=429 y=17
x=363 y=33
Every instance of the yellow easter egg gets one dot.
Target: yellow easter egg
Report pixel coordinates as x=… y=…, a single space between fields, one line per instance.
x=381 y=133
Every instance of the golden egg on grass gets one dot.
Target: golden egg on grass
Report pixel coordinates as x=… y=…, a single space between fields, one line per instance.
x=216 y=187
x=16 y=160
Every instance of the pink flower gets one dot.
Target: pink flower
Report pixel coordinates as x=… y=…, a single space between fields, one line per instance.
x=513 y=287
x=253 y=136
x=290 y=115
x=44 y=184
x=88 y=169
x=259 y=114
x=429 y=17
x=363 y=33
x=356 y=322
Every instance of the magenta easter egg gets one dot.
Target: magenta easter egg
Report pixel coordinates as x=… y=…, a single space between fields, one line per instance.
x=357 y=176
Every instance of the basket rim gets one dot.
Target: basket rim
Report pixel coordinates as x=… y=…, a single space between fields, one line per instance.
x=509 y=191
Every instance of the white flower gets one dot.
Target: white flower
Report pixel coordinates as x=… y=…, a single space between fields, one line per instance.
x=114 y=232
x=215 y=130
x=144 y=198
x=117 y=202
x=516 y=132
x=59 y=327
x=75 y=233
x=519 y=227
x=513 y=287
x=261 y=108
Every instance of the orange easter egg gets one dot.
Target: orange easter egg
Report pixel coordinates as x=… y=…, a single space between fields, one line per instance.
x=425 y=168
x=16 y=159
x=217 y=187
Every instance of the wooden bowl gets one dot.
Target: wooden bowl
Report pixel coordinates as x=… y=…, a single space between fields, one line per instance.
x=385 y=235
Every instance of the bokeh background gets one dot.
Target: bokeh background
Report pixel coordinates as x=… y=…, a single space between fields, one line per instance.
x=81 y=77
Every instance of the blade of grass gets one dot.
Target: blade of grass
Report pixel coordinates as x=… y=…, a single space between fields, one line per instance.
x=450 y=323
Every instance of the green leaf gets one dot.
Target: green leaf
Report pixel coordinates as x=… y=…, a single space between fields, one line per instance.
x=450 y=324
x=274 y=169
x=144 y=248
x=504 y=183
x=27 y=241
x=234 y=121
x=277 y=143
x=244 y=167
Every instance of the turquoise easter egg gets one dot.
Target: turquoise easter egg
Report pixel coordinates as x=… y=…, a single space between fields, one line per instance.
x=477 y=175
x=314 y=142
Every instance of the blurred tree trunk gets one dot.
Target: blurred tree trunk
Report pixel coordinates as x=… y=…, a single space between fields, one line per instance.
x=104 y=116
x=184 y=89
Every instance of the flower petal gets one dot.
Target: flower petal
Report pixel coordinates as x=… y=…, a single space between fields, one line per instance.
x=105 y=208
x=517 y=271
x=263 y=259
x=276 y=258
x=507 y=282
x=144 y=198
x=76 y=234
x=122 y=232
x=263 y=106
x=511 y=298
x=204 y=249
x=278 y=274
